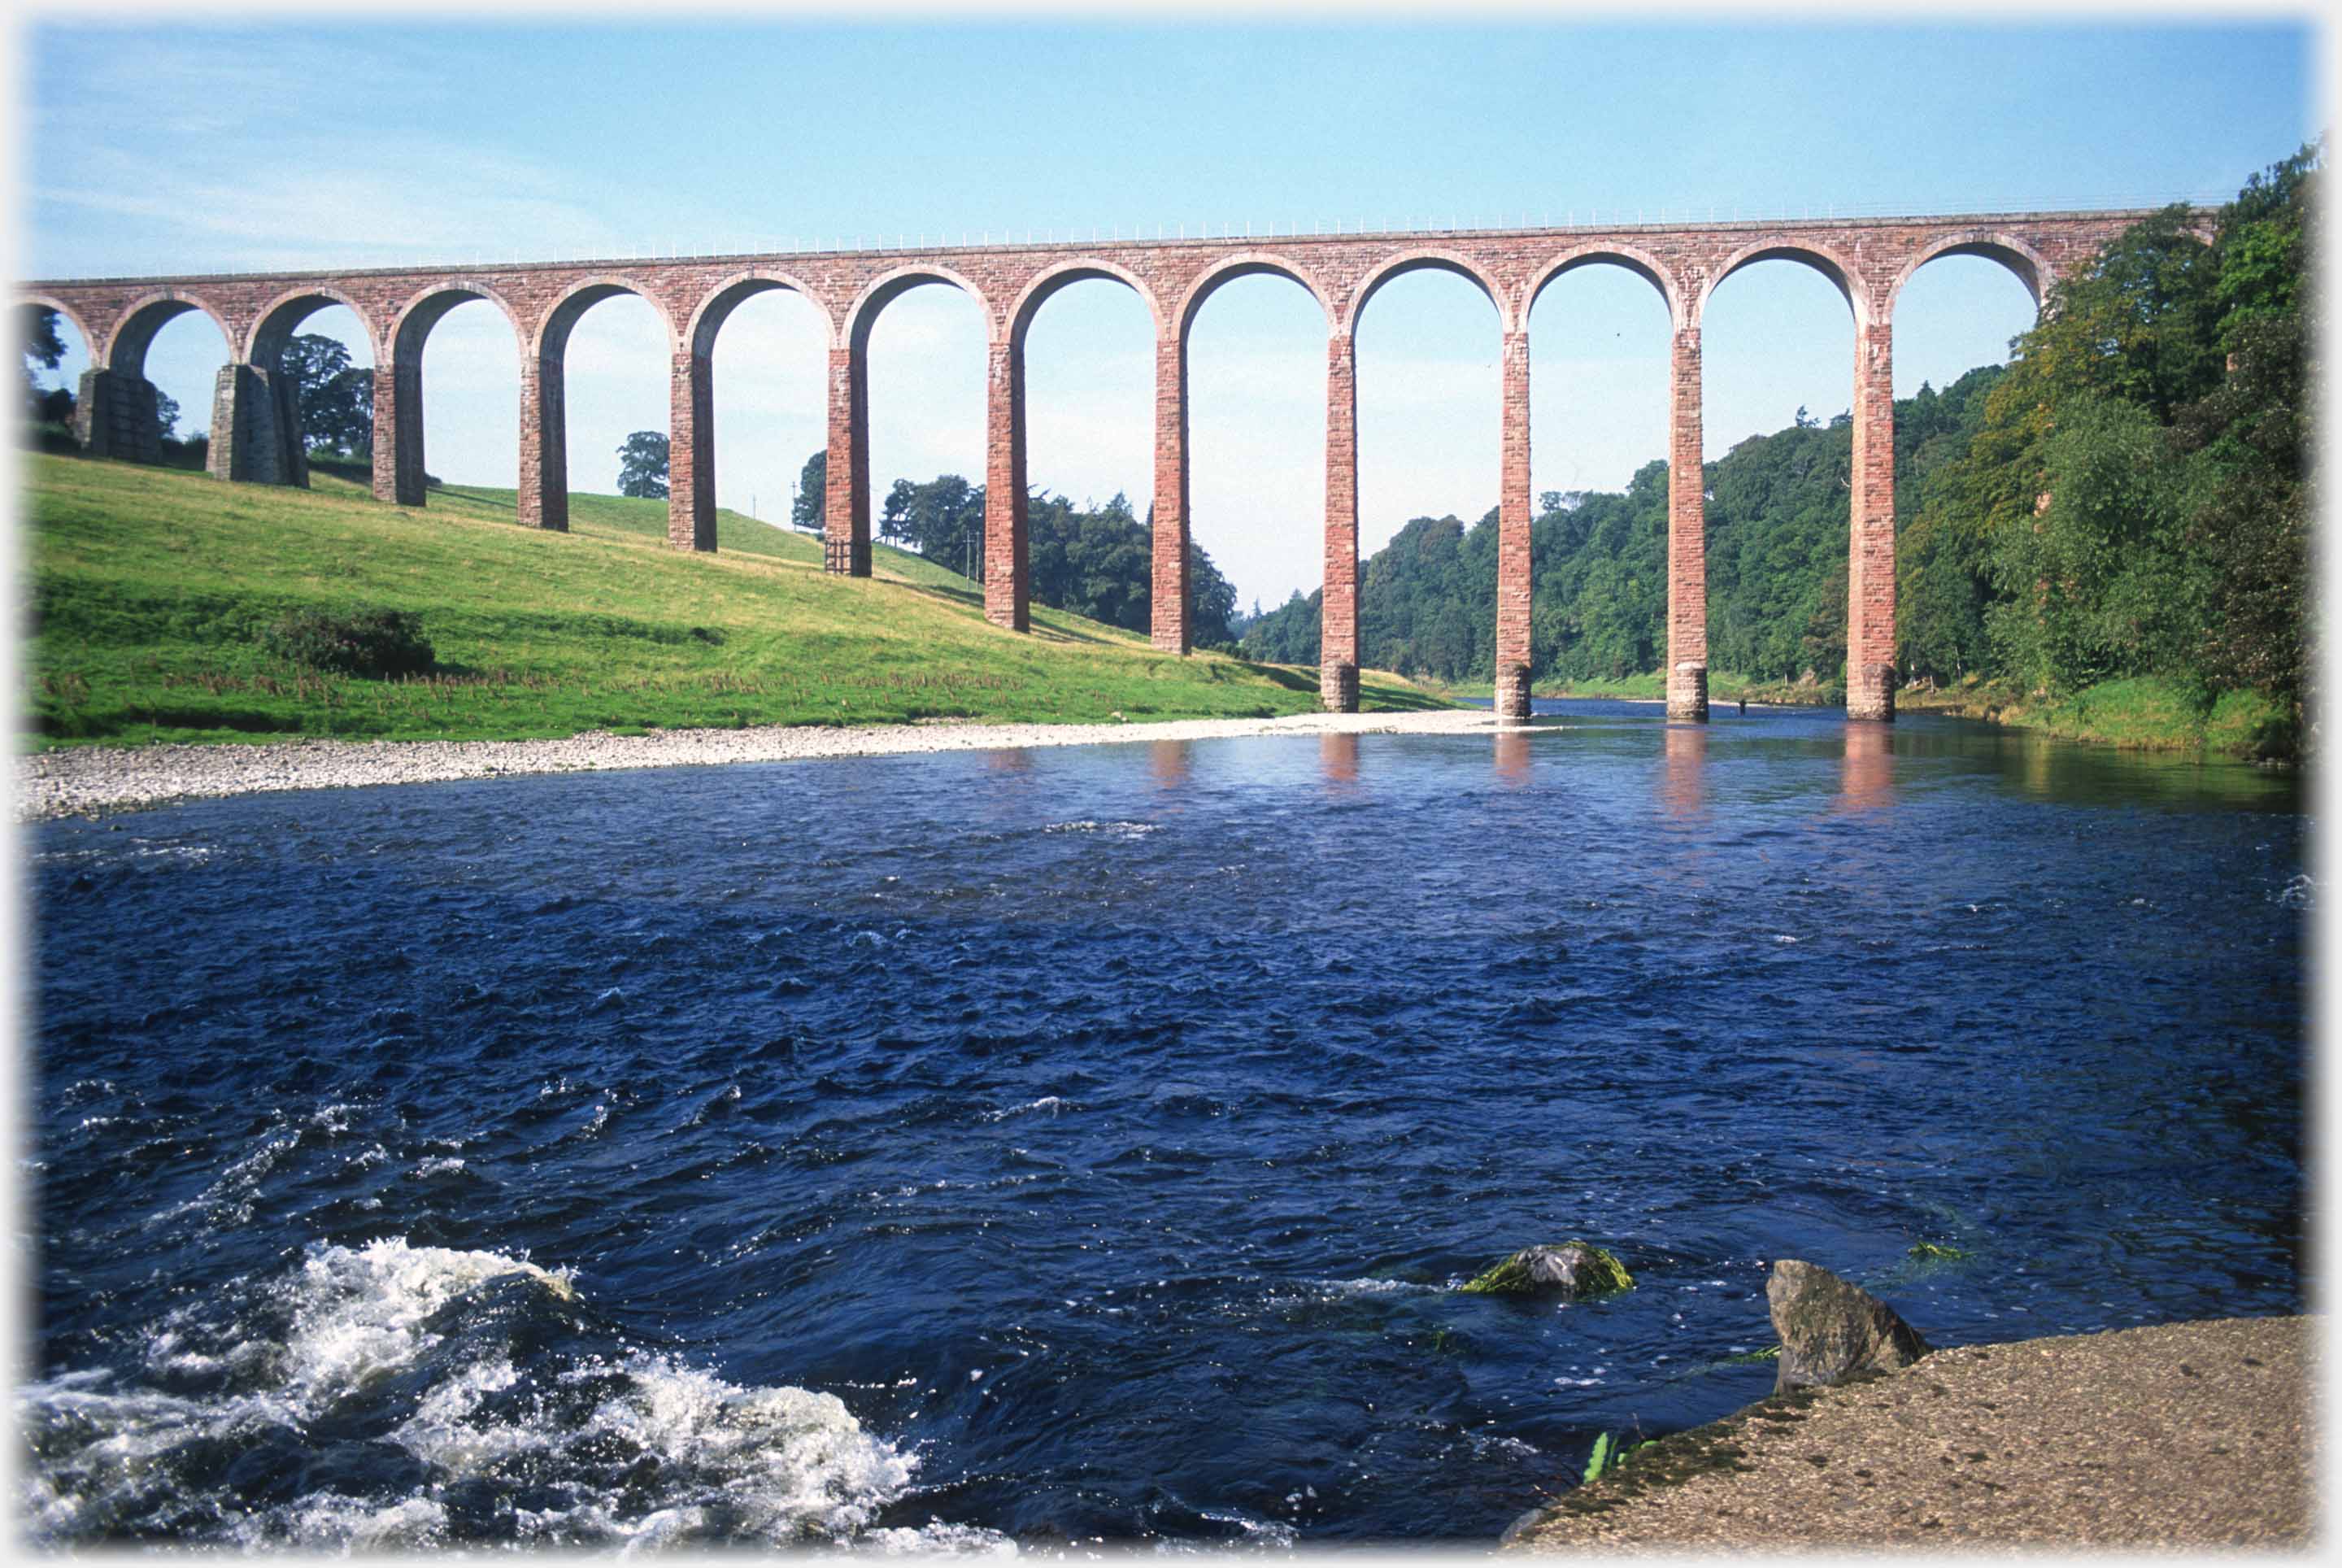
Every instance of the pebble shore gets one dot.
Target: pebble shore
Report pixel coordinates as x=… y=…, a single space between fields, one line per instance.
x=96 y=780
x=2179 y=1437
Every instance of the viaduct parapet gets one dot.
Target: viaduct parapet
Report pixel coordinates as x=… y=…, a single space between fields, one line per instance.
x=257 y=437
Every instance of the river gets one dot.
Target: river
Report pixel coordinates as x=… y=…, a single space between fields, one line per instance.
x=1044 y=1145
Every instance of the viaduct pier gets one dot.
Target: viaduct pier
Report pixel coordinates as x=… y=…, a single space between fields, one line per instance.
x=255 y=434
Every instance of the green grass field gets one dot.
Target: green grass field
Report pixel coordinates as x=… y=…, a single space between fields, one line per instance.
x=150 y=590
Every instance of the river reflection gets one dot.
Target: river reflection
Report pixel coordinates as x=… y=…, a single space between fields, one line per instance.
x=1167 y=760
x=1684 y=754
x=1867 y=778
x=1338 y=757
x=1513 y=755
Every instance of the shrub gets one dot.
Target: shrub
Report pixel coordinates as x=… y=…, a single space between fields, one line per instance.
x=377 y=643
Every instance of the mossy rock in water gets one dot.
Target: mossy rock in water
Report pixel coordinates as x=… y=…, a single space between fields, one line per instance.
x=1572 y=1270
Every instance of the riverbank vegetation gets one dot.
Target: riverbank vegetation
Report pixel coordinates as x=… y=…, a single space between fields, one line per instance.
x=2108 y=537
x=158 y=602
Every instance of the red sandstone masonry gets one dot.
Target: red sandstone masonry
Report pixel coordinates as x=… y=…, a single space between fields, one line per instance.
x=1869 y=259
x=1337 y=658
x=1170 y=544
x=1687 y=682
x=1007 y=600
x=1513 y=560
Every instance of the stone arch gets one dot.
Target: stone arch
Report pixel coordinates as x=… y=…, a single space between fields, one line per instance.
x=887 y=288
x=1427 y=260
x=398 y=381
x=1844 y=274
x=415 y=319
x=2030 y=267
x=73 y=319
x=1595 y=253
x=126 y=347
x=1250 y=264
x=1045 y=285
x=716 y=305
x=552 y=331
x=278 y=320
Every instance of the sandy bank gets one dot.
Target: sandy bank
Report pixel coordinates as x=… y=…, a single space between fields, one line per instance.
x=92 y=779
x=2184 y=1436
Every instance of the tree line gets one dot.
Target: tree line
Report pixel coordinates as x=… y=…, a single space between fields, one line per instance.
x=1096 y=561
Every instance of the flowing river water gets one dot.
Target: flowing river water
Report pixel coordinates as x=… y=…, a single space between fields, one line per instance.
x=1031 y=1146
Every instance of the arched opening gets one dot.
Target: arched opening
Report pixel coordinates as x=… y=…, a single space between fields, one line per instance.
x=1954 y=316
x=162 y=369
x=1429 y=342
x=924 y=351
x=466 y=349
x=306 y=413
x=608 y=351
x=1599 y=341
x=1088 y=359
x=1955 y=313
x=1777 y=350
x=768 y=347
x=1256 y=377
x=53 y=397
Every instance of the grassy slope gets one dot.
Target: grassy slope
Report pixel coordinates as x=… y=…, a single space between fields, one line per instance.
x=151 y=586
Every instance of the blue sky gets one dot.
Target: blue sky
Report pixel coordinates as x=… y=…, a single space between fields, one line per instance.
x=149 y=147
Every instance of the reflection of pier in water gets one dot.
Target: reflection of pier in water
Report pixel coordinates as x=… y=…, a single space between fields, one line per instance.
x=1338 y=755
x=1167 y=761
x=1513 y=755
x=1684 y=758
x=1866 y=775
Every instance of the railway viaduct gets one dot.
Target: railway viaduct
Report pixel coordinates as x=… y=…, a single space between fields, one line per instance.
x=255 y=436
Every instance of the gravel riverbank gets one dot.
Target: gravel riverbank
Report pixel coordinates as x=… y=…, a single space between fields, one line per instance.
x=91 y=781
x=2181 y=1436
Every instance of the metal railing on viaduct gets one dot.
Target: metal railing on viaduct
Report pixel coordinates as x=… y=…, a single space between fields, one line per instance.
x=255 y=434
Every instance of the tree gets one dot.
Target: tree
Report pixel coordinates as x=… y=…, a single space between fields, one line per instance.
x=810 y=510
x=336 y=398
x=166 y=413
x=43 y=349
x=943 y=519
x=642 y=465
x=43 y=346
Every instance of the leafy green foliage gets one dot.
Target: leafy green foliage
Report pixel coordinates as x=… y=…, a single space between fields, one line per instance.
x=336 y=398
x=1094 y=561
x=1610 y=1455
x=808 y=510
x=2135 y=501
x=45 y=347
x=374 y=644
x=43 y=344
x=642 y=466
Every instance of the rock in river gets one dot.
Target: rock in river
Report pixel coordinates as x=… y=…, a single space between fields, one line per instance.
x=1830 y=1329
x=1572 y=1270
